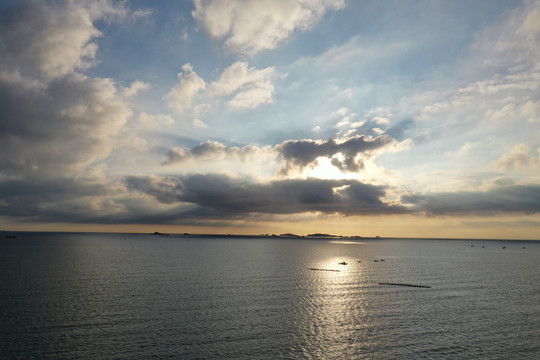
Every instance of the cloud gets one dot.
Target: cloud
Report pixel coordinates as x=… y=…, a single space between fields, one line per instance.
x=212 y=151
x=250 y=86
x=55 y=200
x=60 y=127
x=166 y=190
x=135 y=87
x=180 y=98
x=51 y=39
x=57 y=124
x=55 y=121
x=198 y=123
x=512 y=45
x=346 y=154
x=149 y=120
x=518 y=157
x=502 y=199
x=239 y=85
x=250 y=26
x=224 y=197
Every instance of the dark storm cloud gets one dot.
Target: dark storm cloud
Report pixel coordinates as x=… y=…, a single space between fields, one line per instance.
x=223 y=196
x=504 y=199
x=298 y=154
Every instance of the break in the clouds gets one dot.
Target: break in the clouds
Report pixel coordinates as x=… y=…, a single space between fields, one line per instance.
x=250 y=26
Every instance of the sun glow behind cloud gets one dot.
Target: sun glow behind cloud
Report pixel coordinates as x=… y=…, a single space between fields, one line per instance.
x=325 y=170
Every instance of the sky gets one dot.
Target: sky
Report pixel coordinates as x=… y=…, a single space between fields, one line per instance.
x=358 y=118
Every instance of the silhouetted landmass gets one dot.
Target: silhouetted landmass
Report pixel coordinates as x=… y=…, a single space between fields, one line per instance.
x=289 y=235
x=319 y=235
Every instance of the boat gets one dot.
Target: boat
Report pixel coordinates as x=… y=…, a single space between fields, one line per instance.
x=342 y=263
x=11 y=237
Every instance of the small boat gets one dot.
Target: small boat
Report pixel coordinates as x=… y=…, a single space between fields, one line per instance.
x=11 y=237
x=504 y=247
x=342 y=263
x=375 y=260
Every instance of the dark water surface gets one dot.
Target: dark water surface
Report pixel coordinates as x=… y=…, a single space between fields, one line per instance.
x=123 y=296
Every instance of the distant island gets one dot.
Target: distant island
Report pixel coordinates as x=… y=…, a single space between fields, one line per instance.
x=280 y=236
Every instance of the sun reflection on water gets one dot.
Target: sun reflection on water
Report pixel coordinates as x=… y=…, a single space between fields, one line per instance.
x=336 y=307
x=347 y=242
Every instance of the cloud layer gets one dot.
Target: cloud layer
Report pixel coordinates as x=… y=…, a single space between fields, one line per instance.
x=503 y=199
x=225 y=197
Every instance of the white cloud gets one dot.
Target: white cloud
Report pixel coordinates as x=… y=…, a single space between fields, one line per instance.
x=52 y=39
x=514 y=44
x=66 y=126
x=149 y=120
x=199 y=124
x=135 y=87
x=250 y=26
x=518 y=157
x=180 y=98
x=252 y=86
x=240 y=86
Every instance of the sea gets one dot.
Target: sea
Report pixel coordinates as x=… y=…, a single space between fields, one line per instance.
x=140 y=296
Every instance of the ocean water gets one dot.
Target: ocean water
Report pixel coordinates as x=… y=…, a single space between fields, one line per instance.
x=125 y=296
